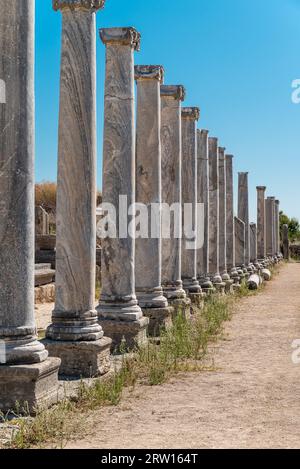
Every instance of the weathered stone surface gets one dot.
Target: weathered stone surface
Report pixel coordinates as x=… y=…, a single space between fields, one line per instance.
x=159 y=318
x=127 y=334
x=222 y=220
x=189 y=118
x=266 y=275
x=270 y=228
x=17 y=322
x=45 y=242
x=277 y=229
x=43 y=276
x=181 y=306
x=171 y=97
x=203 y=198
x=243 y=212
x=44 y=294
x=41 y=221
x=230 y=235
x=89 y=5
x=48 y=257
x=118 y=297
x=253 y=243
x=148 y=185
x=81 y=359
x=253 y=282
x=261 y=223
x=286 y=242
x=32 y=386
x=74 y=316
x=239 y=230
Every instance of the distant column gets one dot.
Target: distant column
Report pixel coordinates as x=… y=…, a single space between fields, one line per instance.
x=239 y=231
x=230 y=237
x=171 y=147
x=214 y=270
x=189 y=118
x=277 y=229
x=222 y=216
x=18 y=334
x=261 y=223
x=119 y=313
x=243 y=214
x=203 y=198
x=286 y=242
x=270 y=218
x=253 y=243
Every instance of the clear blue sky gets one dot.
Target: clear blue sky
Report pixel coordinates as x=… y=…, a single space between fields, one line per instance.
x=236 y=58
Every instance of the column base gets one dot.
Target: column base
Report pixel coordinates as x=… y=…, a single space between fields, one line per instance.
x=31 y=386
x=229 y=287
x=159 y=318
x=197 y=299
x=151 y=298
x=174 y=291
x=191 y=285
x=206 y=285
x=81 y=359
x=125 y=335
x=74 y=326
x=181 y=306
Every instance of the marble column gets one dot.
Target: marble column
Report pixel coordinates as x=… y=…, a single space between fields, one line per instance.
x=214 y=270
x=261 y=224
x=171 y=154
x=270 y=232
x=75 y=335
x=203 y=198
x=119 y=313
x=253 y=243
x=148 y=192
x=189 y=118
x=286 y=242
x=243 y=214
x=26 y=372
x=240 y=245
x=222 y=217
x=230 y=236
x=277 y=229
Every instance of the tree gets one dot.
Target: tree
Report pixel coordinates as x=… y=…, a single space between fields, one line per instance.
x=294 y=227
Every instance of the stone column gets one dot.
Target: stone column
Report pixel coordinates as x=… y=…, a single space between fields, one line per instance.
x=286 y=242
x=119 y=312
x=270 y=236
x=253 y=243
x=277 y=229
x=203 y=198
x=261 y=224
x=230 y=235
x=171 y=147
x=148 y=192
x=35 y=381
x=189 y=118
x=243 y=214
x=75 y=335
x=239 y=233
x=213 y=158
x=222 y=219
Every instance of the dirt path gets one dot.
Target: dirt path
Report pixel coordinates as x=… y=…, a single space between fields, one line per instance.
x=252 y=400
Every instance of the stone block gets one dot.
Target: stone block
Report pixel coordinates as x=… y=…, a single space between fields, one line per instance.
x=45 y=242
x=81 y=359
x=44 y=294
x=43 y=276
x=31 y=386
x=159 y=318
x=130 y=334
x=181 y=306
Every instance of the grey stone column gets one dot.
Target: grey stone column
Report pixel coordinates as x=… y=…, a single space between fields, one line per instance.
x=253 y=243
x=261 y=223
x=189 y=118
x=230 y=235
x=18 y=335
x=243 y=214
x=119 y=312
x=75 y=334
x=277 y=229
x=203 y=198
x=222 y=216
x=239 y=233
x=270 y=218
x=148 y=192
x=213 y=158
x=286 y=242
x=171 y=147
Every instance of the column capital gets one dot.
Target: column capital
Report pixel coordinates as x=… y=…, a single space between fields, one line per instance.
x=88 y=5
x=203 y=132
x=229 y=157
x=277 y=202
x=261 y=188
x=149 y=72
x=271 y=198
x=190 y=113
x=121 y=36
x=173 y=91
x=222 y=153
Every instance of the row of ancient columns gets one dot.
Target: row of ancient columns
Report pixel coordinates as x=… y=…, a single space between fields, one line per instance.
x=163 y=159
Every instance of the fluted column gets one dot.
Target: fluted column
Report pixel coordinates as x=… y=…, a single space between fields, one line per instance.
x=243 y=214
x=261 y=223
x=230 y=237
x=189 y=117
x=213 y=158
x=18 y=334
x=75 y=318
x=203 y=198
x=171 y=147
x=119 y=312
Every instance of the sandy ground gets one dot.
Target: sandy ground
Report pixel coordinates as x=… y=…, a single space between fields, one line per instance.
x=252 y=400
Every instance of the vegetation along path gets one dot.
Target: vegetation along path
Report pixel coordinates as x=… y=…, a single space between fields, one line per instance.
x=250 y=399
